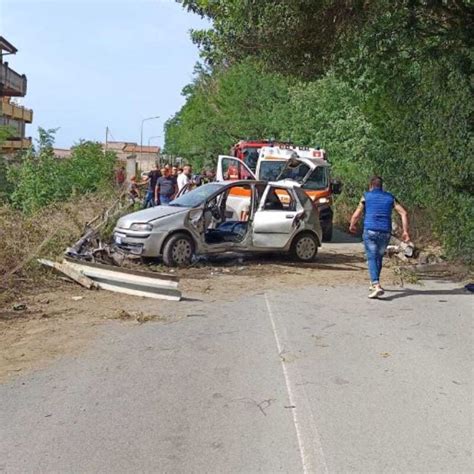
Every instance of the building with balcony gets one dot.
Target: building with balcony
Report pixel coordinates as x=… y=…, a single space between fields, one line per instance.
x=12 y=115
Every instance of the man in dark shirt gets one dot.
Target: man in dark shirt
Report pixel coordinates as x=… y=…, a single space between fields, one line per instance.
x=377 y=206
x=150 y=199
x=166 y=187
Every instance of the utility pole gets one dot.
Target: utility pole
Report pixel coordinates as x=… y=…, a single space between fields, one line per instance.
x=141 y=134
x=106 y=139
x=151 y=138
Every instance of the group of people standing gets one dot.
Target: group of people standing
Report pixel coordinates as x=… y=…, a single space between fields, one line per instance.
x=164 y=183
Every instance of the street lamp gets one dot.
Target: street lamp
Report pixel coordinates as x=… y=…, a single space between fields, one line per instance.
x=141 y=133
x=151 y=138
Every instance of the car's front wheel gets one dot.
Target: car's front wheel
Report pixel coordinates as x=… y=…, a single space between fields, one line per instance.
x=305 y=247
x=178 y=250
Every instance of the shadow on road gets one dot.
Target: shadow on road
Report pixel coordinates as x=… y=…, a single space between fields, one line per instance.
x=340 y=237
x=323 y=260
x=408 y=292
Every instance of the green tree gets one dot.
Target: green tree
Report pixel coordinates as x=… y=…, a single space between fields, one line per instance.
x=384 y=86
x=41 y=178
x=307 y=37
x=232 y=103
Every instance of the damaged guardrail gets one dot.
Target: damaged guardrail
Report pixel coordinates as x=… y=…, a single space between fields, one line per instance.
x=94 y=264
x=120 y=280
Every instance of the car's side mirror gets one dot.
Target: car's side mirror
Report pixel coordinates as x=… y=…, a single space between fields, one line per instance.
x=336 y=187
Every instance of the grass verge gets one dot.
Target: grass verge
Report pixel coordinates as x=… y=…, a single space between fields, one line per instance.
x=45 y=233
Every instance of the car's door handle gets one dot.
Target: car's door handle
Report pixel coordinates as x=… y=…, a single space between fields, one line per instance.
x=290 y=216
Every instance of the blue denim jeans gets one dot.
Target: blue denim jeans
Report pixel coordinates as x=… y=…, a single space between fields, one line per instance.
x=165 y=199
x=149 y=200
x=375 y=245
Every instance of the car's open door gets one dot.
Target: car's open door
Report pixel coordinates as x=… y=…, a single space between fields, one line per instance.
x=230 y=168
x=276 y=218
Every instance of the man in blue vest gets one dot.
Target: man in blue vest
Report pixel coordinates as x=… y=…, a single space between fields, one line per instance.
x=377 y=206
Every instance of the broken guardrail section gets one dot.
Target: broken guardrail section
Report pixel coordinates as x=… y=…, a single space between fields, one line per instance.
x=81 y=264
x=120 y=280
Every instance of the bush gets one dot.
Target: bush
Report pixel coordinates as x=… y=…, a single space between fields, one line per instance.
x=55 y=226
x=41 y=178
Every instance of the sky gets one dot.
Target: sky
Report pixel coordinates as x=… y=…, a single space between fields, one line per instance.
x=93 y=64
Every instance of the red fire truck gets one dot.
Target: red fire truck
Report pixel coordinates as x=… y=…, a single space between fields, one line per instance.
x=248 y=150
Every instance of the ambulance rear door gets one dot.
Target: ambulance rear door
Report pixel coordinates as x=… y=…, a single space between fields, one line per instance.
x=230 y=168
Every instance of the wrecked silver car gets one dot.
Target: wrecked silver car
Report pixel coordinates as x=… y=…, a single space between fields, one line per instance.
x=237 y=216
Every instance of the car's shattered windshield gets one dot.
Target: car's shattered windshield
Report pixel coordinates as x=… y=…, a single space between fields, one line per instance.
x=317 y=180
x=296 y=173
x=196 y=196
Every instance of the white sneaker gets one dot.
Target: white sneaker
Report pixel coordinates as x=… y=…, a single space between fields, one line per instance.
x=376 y=292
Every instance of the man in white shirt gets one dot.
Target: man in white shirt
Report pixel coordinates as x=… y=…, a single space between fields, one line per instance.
x=184 y=178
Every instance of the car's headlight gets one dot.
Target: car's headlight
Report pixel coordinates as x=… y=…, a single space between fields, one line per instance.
x=323 y=200
x=141 y=227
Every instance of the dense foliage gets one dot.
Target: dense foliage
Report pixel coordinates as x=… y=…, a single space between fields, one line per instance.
x=308 y=37
x=40 y=178
x=223 y=107
x=383 y=86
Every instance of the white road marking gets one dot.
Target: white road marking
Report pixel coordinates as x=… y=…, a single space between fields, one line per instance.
x=309 y=441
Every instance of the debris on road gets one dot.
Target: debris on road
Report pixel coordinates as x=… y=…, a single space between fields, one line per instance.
x=19 y=307
x=121 y=280
x=90 y=246
x=402 y=250
x=137 y=316
x=94 y=264
x=131 y=282
x=70 y=272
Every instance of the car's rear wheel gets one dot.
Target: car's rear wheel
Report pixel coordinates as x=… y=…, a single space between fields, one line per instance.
x=178 y=250
x=305 y=247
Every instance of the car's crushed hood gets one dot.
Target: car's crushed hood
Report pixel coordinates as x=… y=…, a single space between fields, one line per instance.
x=149 y=215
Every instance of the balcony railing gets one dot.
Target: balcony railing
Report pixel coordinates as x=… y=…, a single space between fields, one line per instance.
x=17 y=112
x=12 y=84
x=12 y=145
x=16 y=127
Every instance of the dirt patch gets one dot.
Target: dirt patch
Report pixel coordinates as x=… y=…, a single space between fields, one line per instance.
x=62 y=318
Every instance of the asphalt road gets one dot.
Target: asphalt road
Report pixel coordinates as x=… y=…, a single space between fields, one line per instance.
x=307 y=380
